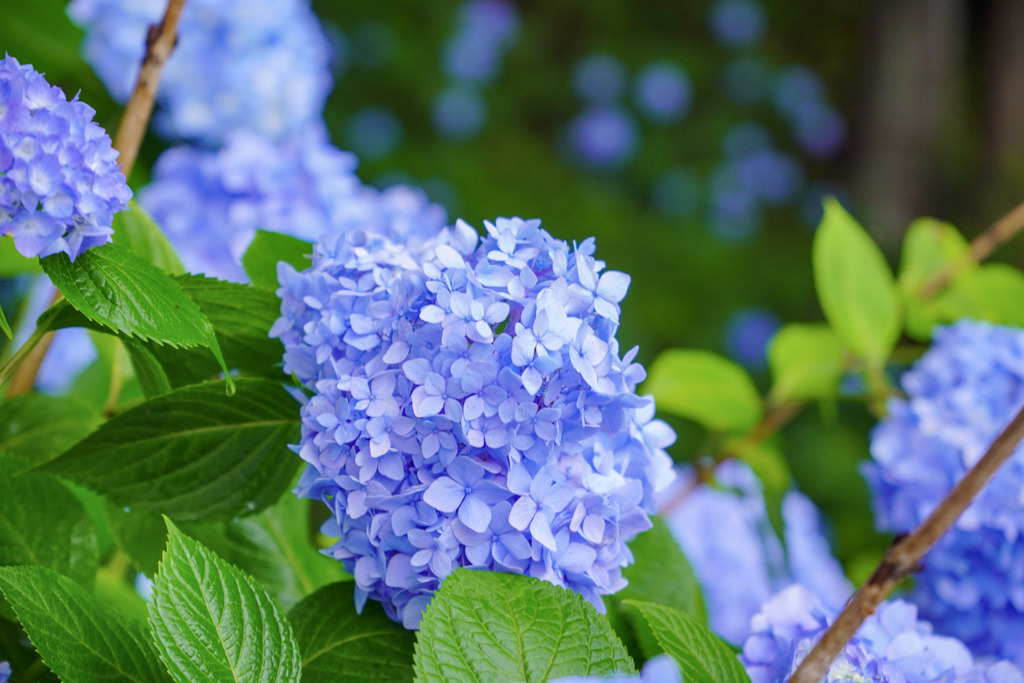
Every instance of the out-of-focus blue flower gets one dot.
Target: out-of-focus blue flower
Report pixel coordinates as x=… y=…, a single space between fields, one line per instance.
x=959 y=397
x=892 y=646
x=820 y=130
x=5 y=672
x=771 y=175
x=210 y=204
x=459 y=112
x=373 y=132
x=144 y=587
x=603 y=137
x=259 y=66
x=747 y=333
x=663 y=92
x=727 y=537
x=677 y=193
x=660 y=669
x=599 y=78
x=737 y=23
x=471 y=408
x=745 y=138
x=60 y=184
x=487 y=28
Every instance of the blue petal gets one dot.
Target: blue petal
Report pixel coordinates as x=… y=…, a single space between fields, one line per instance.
x=475 y=514
x=445 y=495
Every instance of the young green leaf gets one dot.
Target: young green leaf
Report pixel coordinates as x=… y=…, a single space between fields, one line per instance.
x=79 y=637
x=929 y=247
x=993 y=292
x=267 y=249
x=855 y=286
x=121 y=291
x=43 y=524
x=806 y=363
x=136 y=231
x=212 y=622
x=706 y=388
x=332 y=638
x=192 y=453
x=702 y=656
x=486 y=626
x=38 y=427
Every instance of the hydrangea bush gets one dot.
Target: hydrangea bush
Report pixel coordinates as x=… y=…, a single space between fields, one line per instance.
x=281 y=348
x=471 y=408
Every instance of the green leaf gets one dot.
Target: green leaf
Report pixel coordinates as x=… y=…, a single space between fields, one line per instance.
x=276 y=549
x=241 y=316
x=13 y=263
x=702 y=656
x=4 y=325
x=706 y=388
x=79 y=637
x=136 y=231
x=212 y=622
x=113 y=287
x=806 y=363
x=43 y=524
x=140 y=535
x=148 y=369
x=661 y=573
x=993 y=292
x=492 y=627
x=332 y=638
x=929 y=247
x=267 y=249
x=38 y=427
x=855 y=286
x=193 y=453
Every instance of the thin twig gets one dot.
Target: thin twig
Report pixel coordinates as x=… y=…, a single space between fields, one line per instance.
x=905 y=555
x=159 y=44
x=981 y=248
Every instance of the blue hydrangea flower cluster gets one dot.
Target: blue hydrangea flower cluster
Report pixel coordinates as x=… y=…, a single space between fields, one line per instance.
x=470 y=408
x=726 y=535
x=60 y=184
x=959 y=397
x=893 y=646
x=5 y=672
x=300 y=186
x=261 y=66
x=660 y=669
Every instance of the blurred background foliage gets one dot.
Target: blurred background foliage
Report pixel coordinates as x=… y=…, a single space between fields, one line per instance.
x=693 y=139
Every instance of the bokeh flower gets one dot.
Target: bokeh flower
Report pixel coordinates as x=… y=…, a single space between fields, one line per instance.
x=892 y=646
x=210 y=204
x=960 y=395
x=60 y=184
x=259 y=66
x=740 y=562
x=470 y=407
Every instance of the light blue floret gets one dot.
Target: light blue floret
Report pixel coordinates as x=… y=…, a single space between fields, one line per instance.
x=471 y=408
x=60 y=184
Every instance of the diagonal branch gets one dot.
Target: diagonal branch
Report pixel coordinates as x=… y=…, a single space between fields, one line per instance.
x=159 y=44
x=905 y=555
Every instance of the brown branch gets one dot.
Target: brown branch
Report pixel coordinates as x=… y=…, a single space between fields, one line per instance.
x=905 y=555
x=159 y=44
x=981 y=248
